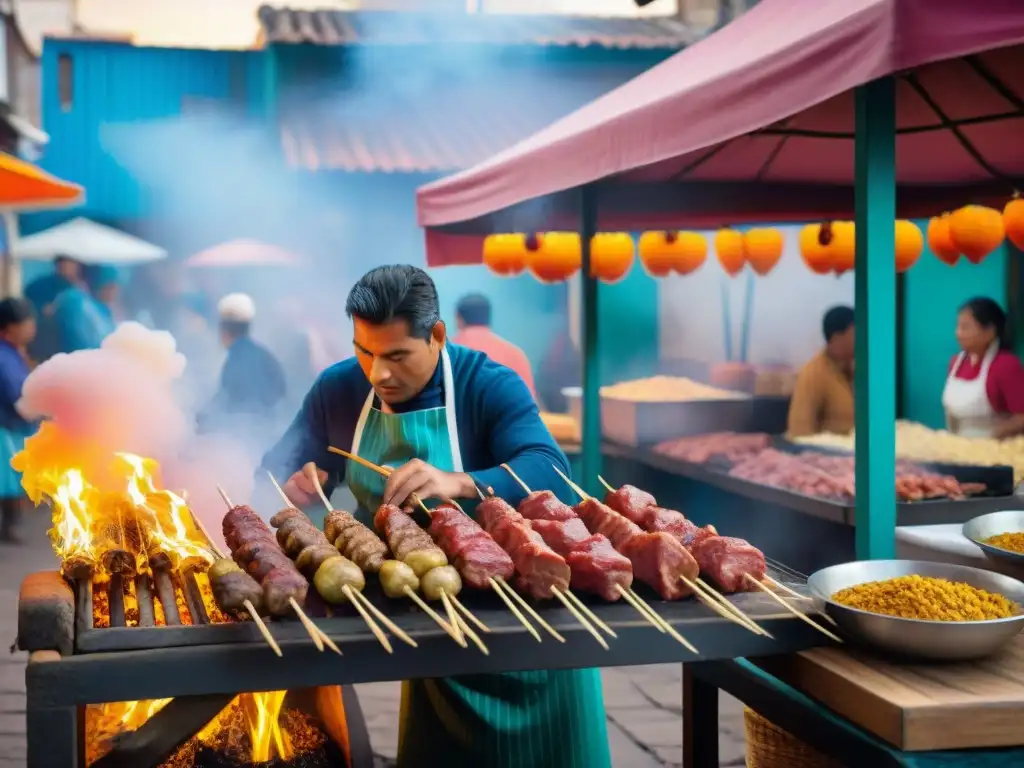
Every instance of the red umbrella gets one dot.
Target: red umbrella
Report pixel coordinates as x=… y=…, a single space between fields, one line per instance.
x=243 y=253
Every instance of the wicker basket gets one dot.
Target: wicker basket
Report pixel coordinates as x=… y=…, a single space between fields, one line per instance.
x=768 y=746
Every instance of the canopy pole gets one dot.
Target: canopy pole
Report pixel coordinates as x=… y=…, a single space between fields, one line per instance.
x=591 y=427
x=11 y=265
x=875 y=292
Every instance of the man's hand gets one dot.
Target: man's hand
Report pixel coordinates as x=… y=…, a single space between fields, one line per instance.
x=300 y=487
x=426 y=482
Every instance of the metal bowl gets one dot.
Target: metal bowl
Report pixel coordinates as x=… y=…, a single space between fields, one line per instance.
x=992 y=524
x=916 y=638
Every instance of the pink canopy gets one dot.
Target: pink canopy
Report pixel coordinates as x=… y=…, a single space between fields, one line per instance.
x=768 y=99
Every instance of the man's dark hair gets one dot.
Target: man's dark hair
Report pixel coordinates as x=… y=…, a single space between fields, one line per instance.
x=14 y=311
x=474 y=309
x=837 y=320
x=396 y=292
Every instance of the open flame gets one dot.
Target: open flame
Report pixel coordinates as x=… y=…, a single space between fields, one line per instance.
x=263 y=735
x=108 y=509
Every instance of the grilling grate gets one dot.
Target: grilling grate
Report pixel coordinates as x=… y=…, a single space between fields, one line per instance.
x=149 y=589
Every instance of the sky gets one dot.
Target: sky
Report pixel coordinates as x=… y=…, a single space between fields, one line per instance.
x=232 y=23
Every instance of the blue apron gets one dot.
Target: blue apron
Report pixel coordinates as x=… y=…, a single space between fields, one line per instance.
x=10 y=479
x=537 y=719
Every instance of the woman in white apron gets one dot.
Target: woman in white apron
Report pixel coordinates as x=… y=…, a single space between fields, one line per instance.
x=984 y=393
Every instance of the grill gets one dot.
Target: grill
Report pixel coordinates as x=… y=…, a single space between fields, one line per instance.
x=203 y=664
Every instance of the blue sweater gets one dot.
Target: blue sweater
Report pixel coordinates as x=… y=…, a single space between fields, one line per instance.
x=498 y=423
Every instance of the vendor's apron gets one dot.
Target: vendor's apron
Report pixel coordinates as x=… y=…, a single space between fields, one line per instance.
x=520 y=720
x=966 y=401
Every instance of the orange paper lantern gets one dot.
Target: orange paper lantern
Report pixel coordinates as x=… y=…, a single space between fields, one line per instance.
x=556 y=257
x=505 y=254
x=1013 y=222
x=841 y=245
x=689 y=251
x=815 y=255
x=763 y=248
x=731 y=251
x=909 y=244
x=661 y=253
x=940 y=241
x=611 y=256
x=976 y=231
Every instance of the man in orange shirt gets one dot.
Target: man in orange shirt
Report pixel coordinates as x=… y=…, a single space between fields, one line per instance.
x=473 y=319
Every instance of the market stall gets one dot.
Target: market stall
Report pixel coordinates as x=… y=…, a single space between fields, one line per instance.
x=792 y=113
x=88 y=242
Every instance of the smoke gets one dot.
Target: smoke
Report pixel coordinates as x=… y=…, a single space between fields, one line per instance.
x=121 y=398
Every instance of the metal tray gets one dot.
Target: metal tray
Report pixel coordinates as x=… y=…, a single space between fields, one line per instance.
x=998 y=480
x=930 y=512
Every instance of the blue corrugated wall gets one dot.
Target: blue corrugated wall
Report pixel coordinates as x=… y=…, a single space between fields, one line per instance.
x=115 y=83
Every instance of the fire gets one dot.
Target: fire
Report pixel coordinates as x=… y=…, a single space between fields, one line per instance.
x=253 y=727
x=108 y=509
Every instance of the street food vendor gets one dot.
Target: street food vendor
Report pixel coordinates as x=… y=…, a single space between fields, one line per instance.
x=823 y=395
x=473 y=318
x=984 y=393
x=446 y=418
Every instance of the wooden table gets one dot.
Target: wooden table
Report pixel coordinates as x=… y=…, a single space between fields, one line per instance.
x=862 y=710
x=916 y=707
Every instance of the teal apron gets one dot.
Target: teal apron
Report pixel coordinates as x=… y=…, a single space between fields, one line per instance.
x=520 y=720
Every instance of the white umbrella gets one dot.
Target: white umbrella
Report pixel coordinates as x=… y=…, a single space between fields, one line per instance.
x=89 y=243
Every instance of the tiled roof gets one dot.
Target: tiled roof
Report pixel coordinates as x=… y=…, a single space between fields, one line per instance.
x=333 y=27
x=437 y=130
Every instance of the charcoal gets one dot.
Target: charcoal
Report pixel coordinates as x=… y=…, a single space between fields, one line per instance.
x=46 y=614
x=329 y=755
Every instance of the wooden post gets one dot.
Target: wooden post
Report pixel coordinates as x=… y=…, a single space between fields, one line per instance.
x=591 y=427
x=875 y=291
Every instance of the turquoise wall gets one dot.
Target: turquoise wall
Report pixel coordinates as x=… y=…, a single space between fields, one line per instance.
x=628 y=327
x=934 y=291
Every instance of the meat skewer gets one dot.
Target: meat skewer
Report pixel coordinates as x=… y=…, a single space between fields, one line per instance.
x=253 y=547
x=726 y=560
x=396 y=578
x=743 y=561
x=312 y=551
x=233 y=587
x=557 y=508
x=438 y=577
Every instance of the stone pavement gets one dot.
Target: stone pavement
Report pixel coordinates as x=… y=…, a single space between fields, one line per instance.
x=644 y=704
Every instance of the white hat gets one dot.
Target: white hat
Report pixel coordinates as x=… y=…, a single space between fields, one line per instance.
x=236 y=308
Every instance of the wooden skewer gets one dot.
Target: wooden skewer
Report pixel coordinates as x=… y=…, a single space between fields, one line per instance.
x=633 y=599
x=378 y=469
x=263 y=628
x=791 y=592
x=593 y=617
x=575 y=488
x=393 y=628
x=422 y=604
x=529 y=610
x=606 y=484
x=381 y=637
x=580 y=618
x=649 y=613
x=515 y=477
x=468 y=614
x=479 y=492
x=453 y=617
x=800 y=615
x=515 y=611
x=311 y=629
x=465 y=628
x=723 y=608
x=249 y=607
